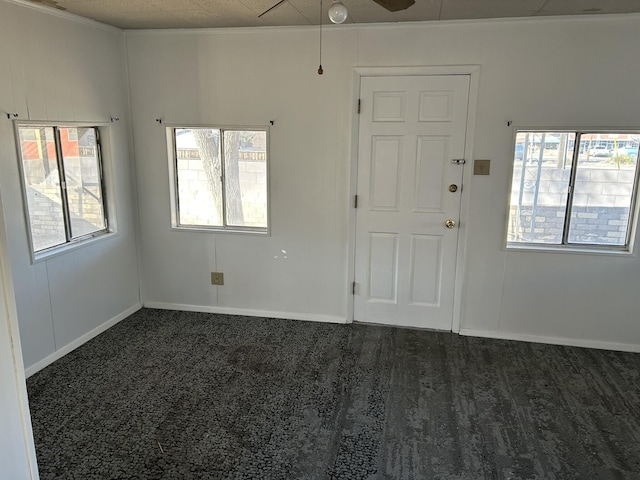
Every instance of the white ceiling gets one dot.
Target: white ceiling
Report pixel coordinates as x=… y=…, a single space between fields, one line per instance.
x=134 y=14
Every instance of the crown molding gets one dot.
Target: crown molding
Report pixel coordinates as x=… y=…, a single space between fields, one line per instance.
x=383 y=26
x=64 y=15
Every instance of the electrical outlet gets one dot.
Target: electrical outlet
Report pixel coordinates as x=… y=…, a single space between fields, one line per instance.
x=217 y=278
x=481 y=167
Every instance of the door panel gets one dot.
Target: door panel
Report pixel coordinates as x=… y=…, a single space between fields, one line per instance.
x=388 y=106
x=410 y=130
x=430 y=161
x=386 y=153
x=426 y=270
x=383 y=267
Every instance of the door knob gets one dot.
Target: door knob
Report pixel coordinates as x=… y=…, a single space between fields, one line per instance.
x=450 y=223
x=453 y=188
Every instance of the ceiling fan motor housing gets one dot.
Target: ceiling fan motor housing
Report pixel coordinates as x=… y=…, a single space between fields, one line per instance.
x=395 y=5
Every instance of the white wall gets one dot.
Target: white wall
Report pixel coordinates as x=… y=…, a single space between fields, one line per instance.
x=543 y=72
x=248 y=79
x=56 y=69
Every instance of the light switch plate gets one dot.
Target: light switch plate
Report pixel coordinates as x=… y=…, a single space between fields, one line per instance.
x=481 y=167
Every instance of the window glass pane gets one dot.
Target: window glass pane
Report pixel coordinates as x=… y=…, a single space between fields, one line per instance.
x=83 y=179
x=199 y=174
x=245 y=155
x=539 y=189
x=603 y=191
x=42 y=186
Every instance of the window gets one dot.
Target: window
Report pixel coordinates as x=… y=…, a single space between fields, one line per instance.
x=573 y=189
x=62 y=184
x=220 y=178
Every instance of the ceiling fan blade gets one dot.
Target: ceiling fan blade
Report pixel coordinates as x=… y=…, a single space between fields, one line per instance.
x=395 y=5
x=272 y=8
x=49 y=3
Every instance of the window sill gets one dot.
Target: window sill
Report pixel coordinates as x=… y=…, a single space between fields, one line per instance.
x=265 y=232
x=624 y=252
x=52 y=252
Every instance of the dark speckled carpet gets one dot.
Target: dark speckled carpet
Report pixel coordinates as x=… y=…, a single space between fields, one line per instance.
x=175 y=395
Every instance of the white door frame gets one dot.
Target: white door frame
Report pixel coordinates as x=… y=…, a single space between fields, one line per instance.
x=474 y=73
x=15 y=404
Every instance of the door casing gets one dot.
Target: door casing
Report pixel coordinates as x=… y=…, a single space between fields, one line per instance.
x=474 y=73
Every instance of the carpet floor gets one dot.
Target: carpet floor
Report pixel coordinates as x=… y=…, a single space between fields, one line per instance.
x=176 y=395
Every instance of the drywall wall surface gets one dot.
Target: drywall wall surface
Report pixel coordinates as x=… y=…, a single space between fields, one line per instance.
x=249 y=79
x=55 y=69
x=545 y=73
x=548 y=73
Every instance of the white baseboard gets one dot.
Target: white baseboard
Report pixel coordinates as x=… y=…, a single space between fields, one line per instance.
x=570 y=342
x=61 y=352
x=311 y=317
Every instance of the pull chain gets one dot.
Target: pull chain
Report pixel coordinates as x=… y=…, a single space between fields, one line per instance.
x=320 y=70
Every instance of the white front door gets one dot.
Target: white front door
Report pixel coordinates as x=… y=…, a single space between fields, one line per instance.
x=411 y=129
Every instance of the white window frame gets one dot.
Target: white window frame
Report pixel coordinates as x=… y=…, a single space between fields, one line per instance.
x=626 y=249
x=173 y=182
x=105 y=184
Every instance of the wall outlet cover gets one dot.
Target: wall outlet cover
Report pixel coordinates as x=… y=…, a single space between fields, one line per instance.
x=481 y=167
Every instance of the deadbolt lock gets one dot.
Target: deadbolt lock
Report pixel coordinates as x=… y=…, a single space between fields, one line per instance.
x=450 y=223
x=453 y=188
